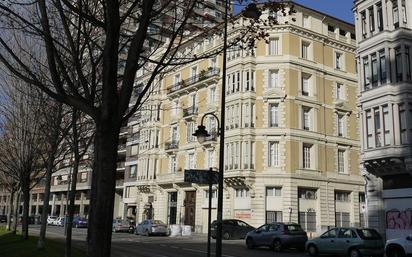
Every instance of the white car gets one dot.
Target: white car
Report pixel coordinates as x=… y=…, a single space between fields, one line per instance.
x=51 y=219
x=59 y=222
x=399 y=247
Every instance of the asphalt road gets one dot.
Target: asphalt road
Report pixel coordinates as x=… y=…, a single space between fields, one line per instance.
x=130 y=245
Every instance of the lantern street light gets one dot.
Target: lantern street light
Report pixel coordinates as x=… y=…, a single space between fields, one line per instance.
x=250 y=12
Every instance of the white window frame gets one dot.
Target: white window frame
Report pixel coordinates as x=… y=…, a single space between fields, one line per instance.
x=307 y=156
x=273 y=154
x=342 y=162
x=273 y=46
x=273 y=78
x=273 y=117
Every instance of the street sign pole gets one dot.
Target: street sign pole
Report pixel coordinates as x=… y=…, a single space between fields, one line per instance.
x=209 y=219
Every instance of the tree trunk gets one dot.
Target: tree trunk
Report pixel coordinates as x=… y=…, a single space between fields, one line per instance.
x=103 y=189
x=10 y=210
x=25 y=218
x=44 y=214
x=72 y=194
x=16 y=213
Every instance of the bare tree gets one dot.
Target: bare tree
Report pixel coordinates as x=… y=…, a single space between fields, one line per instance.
x=94 y=50
x=54 y=132
x=21 y=127
x=11 y=184
x=79 y=142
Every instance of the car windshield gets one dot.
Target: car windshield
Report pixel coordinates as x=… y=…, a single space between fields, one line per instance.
x=368 y=234
x=157 y=222
x=294 y=227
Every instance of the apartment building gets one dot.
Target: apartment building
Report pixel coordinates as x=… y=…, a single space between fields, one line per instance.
x=292 y=142
x=383 y=29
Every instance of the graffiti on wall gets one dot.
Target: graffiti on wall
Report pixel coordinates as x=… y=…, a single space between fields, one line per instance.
x=396 y=219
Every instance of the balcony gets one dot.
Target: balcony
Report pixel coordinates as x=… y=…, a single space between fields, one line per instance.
x=119 y=183
x=171 y=146
x=194 y=83
x=190 y=113
x=120 y=166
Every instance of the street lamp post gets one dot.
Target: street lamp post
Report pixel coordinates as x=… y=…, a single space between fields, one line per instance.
x=201 y=133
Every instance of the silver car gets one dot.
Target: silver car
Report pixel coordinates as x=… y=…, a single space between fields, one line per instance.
x=120 y=225
x=152 y=227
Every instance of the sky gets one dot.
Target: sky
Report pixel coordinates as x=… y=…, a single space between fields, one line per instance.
x=341 y=9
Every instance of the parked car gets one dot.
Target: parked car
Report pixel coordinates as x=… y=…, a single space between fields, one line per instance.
x=277 y=236
x=59 y=222
x=231 y=229
x=51 y=219
x=120 y=225
x=3 y=218
x=353 y=242
x=79 y=222
x=152 y=227
x=399 y=247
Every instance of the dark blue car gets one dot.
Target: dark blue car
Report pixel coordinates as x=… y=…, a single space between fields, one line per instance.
x=79 y=222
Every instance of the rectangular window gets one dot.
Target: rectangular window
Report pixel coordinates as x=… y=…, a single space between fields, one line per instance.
x=369 y=128
x=395 y=13
x=173 y=166
x=339 y=61
x=212 y=95
x=386 y=125
x=246 y=155
x=242 y=193
x=252 y=155
x=382 y=66
x=191 y=127
x=274 y=46
x=341 y=161
x=403 y=123
x=339 y=91
x=378 y=132
x=191 y=161
x=380 y=16
x=404 y=18
x=340 y=121
x=408 y=63
x=210 y=159
x=133 y=169
x=273 y=115
x=274 y=79
x=305 y=50
x=306 y=23
x=273 y=216
x=214 y=194
x=305 y=84
x=273 y=191
x=374 y=70
x=366 y=76
x=371 y=20
x=249 y=80
x=307 y=148
x=342 y=219
x=398 y=64
x=193 y=71
x=363 y=18
x=307 y=221
x=273 y=158
x=341 y=196
x=306 y=119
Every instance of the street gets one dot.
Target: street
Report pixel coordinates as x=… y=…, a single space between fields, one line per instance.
x=128 y=245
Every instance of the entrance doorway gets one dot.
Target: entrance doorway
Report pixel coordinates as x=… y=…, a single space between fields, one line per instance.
x=190 y=208
x=172 y=207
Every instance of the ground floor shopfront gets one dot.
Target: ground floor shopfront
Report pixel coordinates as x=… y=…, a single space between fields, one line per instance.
x=316 y=204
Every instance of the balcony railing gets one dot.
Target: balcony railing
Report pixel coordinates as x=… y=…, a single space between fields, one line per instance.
x=190 y=111
x=204 y=74
x=170 y=145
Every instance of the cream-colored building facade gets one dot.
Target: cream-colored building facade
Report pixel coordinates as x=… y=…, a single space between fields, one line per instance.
x=292 y=132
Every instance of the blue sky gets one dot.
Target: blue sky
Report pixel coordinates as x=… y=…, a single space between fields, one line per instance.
x=341 y=9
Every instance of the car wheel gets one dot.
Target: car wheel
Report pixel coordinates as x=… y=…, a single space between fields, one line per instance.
x=114 y=230
x=214 y=237
x=147 y=233
x=249 y=243
x=395 y=251
x=354 y=253
x=226 y=235
x=77 y=226
x=277 y=246
x=312 y=250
